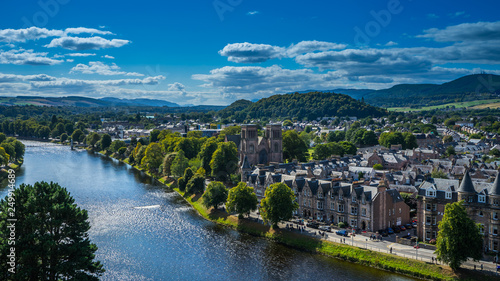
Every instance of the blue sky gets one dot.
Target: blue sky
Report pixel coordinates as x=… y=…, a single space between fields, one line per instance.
x=218 y=51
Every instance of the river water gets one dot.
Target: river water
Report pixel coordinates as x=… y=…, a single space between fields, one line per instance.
x=145 y=232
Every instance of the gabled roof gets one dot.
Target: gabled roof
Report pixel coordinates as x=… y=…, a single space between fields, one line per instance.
x=246 y=164
x=495 y=189
x=466 y=185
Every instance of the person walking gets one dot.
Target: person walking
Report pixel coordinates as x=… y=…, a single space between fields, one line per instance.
x=391 y=250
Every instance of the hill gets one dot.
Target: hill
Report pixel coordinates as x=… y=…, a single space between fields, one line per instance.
x=83 y=101
x=309 y=105
x=467 y=88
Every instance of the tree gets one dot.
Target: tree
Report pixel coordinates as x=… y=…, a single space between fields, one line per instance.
x=447 y=139
x=215 y=195
x=459 y=237
x=52 y=240
x=196 y=184
x=450 y=150
x=495 y=152
x=410 y=141
x=348 y=147
x=241 y=199
x=369 y=138
x=278 y=204
x=434 y=120
x=183 y=181
x=167 y=163
x=93 y=138
x=321 y=151
x=179 y=164
x=438 y=174
x=152 y=157
x=294 y=146
x=207 y=150
x=2 y=137
x=116 y=145
x=105 y=141
x=153 y=136
x=76 y=135
x=378 y=167
x=4 y=156
x=224 y=160
x=64 y=137
x=9 y=149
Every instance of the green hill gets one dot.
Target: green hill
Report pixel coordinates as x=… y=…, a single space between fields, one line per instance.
x=308 y=105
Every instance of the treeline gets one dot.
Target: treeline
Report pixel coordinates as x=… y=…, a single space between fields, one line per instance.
x=11 y=150
x=301 y=106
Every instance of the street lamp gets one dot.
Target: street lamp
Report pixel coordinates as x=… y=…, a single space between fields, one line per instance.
x=366 y=243
x=416 y=251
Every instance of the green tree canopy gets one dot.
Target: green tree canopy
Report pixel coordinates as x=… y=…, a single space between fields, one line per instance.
x=152 y=157
x=278 y=204
x=76 y=135
x=196 y=184
x=105 y=141
x=207 y=150
x=241 y=199
x=116 y=145
x=64 y=137
x=459 y=238
x=224 y=160
x=294 y=146
x=321 y=151
x=215 y=195
x=52 y=240
x=167 y=163
x=179 y=164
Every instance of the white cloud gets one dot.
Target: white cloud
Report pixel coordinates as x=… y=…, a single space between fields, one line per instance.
x=177 y=87
x=26 y=57
x=108 y=57
x=66 y=82
x=251 y=13
x=81 y=54
x=471 y=32
x=88 y=43
x=390 y=44
x=97 y=67
x=35 y=33
x=251 y=53
x=312 y=46
x=80 y=30
x=6 y=78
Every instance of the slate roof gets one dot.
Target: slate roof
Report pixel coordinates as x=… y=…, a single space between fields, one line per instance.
x=466 y=185
x=495 y=189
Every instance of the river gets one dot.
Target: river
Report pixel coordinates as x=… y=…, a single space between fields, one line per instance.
x=145 y=232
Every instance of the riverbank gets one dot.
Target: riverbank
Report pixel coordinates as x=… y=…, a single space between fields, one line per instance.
x=4 y=172
x=409 y=267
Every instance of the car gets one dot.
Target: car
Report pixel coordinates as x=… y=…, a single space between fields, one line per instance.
x=408 y=226
x=382 y=232
x=390 y=230
x=313 y=225
x=325 y=228
x=342 y=232
x=402 y=227
x=396 y=229
x=414 y=224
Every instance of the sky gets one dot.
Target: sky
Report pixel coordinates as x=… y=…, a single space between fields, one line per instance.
x=218 y=51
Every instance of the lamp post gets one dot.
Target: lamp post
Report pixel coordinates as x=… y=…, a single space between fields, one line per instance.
x=416 y=251
x=366 y=243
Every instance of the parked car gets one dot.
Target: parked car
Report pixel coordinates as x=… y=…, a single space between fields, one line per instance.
x=325 y=228
x=414 y=224
x=383 y=232
x=342 y=232
x=408 y=226
x=390 y=230
x=312 y=225
x=396 y=229
x=402 y=227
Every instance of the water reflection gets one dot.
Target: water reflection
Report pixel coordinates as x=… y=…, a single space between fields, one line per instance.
x=169 y=241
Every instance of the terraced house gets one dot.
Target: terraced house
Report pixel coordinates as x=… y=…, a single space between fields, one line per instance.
x=361 y=206
x=481 y=200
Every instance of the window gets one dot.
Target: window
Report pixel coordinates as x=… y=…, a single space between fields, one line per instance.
x=434 y=234
x=354 y=210
x=482 y=199
x=480 y=213
x=400 y=210
x=363 y=200
x=354 y=223
x=389 y=212
x=481 y=228
x=495 y=202
x=341 y=219
x=320 y=195
x=431 y=193
x=495 y=216
x=363 y=212
x=353 y=199
x=309 y=203
x=305 y=203
x=320 y=205
x=393 y=212
x=251 y=149
x=276 y=147
x=341 y=197
x=428 y=207
x=448 y=195
x=471 y=199
x=434 y=207
x=434 y=220
x=495 y=230
x=428 y=235
x=428 y=220
x=341 y=208
x=331 y=195
x=332 y=206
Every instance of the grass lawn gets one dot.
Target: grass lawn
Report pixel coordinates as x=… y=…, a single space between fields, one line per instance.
x=474 y=104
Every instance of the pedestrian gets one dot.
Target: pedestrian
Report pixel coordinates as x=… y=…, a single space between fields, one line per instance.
x=432 y=259
x=474 y=267
x=481 y=266
x=391 y=250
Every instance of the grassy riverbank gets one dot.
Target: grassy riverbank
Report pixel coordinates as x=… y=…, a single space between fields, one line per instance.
x=365 y=257
x=4 y=172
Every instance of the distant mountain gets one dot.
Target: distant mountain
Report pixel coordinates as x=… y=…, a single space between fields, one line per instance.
x=83 y=101
x=301 y=105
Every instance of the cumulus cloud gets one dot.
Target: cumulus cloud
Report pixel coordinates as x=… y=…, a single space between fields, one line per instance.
x=35 y=33
x=108 y=57
x=81 y=54
x=312 y=46
x=67 y=82
x=7 y=78
x=97 y=67
x=251 y=13
x=177 y=87
x=479 y=31
x=87 y=43
x=26 y=57
x=251 y=53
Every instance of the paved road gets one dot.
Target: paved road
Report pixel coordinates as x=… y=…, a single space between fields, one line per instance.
x=363 y=241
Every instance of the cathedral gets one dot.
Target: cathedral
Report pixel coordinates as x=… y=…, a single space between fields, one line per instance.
x=261 y=150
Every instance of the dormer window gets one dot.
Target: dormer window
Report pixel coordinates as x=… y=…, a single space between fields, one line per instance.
x=320 y=195
x=341 y=197
x=331 y=195
x=430 y=193
x=448 y=195
x=363 y=201
x=353 y=199
x=481 y=199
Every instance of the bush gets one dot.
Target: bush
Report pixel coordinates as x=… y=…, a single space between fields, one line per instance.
x=122 y=150
x=181 y=183
x=196 y=184
x=342 y=224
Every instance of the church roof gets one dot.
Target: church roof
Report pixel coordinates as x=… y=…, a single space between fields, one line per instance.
x=466 y=185
x=245 y=164
x=495 y=189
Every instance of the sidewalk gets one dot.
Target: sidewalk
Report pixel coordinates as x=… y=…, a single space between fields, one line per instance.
x=363 y=241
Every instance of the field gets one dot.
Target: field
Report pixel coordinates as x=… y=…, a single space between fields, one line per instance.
x=479 y=104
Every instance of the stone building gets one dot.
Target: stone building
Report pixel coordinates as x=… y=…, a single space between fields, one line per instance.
x=481 y=201
x=261 y=150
